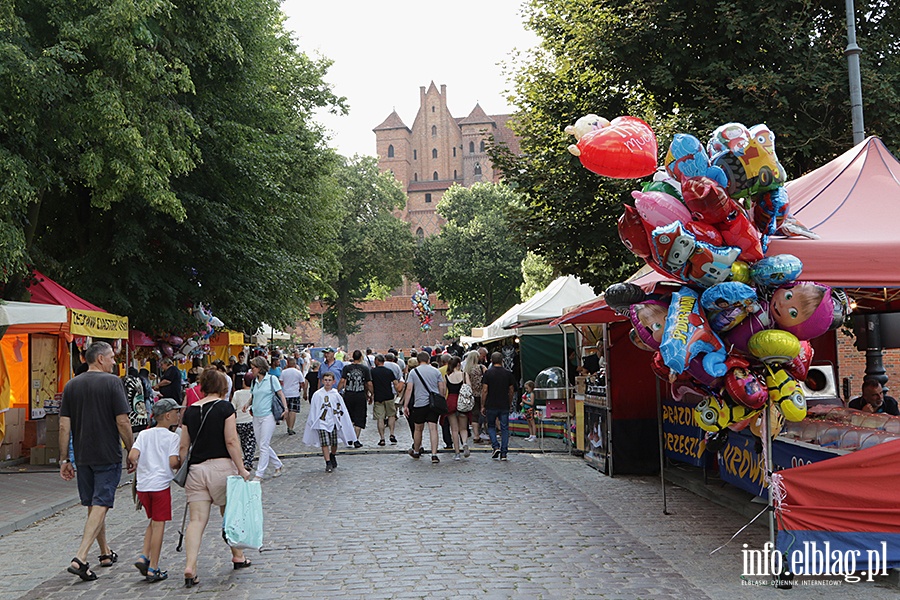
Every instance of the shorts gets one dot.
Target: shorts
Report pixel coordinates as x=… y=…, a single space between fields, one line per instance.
x=423 y=414
x=157 y=505
x=97 y=484
x=328 y=438
x=293 y=404
x=475 y=413
x=209 y=480
x=382 y=410
x=356 y=407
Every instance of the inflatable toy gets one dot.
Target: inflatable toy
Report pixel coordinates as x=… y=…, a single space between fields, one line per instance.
x=776 y=422
x=727 y=304
x=730 y=137
x=805 y=309
x=623 y=149
x=658 y=208
x=786 y=394
x=710 y=204
x=649 y=321
x=686 y=335
x=704 y=232
x=740 y=272
x=686 y=159
x=620 y=296
x=776 y=270
x=585 y=125
x=715 y=413
x=744 y=387
x=679 y=253
x=774 y=346
x=633 y=232
x=798 y=368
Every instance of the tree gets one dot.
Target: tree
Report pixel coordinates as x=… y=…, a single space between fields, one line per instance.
x=473 y=263
x=247 y=225
x=372 y=243
x=681 y=66
x=537 y=274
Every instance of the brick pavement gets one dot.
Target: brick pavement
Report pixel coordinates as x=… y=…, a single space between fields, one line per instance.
x=386 y=526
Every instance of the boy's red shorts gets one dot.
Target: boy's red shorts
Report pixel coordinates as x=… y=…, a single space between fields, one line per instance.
x=158 y=505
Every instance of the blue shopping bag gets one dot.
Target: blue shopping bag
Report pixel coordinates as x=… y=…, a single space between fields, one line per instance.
x=242 y=524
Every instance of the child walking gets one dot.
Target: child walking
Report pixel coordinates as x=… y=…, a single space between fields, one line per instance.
x=528 y=410
x=328 y=422
x=155 y=451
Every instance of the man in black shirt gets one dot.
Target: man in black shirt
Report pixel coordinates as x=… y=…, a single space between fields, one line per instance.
x=169 y=385
x=238 y=370
x=356 y=386
x=385 y=386
x=497 y=390
x=874 y=400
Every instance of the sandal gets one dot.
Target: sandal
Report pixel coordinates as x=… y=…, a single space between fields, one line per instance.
x=154 y=575
x=112 y=557
x=143 y=565
x=191 y=581
x=242 y=565
x=82 y=571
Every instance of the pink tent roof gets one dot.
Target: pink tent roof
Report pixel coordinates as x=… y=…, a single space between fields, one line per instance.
x=853 y=204
x=47 y=291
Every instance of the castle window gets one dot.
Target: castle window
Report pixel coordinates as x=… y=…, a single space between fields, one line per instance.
x=434 y=131
x=415 y=176
x=454 y=151
x=420 y=236
x=415 y=154
x=478 y=168
x=481 y=148
x=471 y=147
x=435 y=176
x=454 y=174
x=391 y=151
x=434 y=153
x=432 y=109
x=427 y=198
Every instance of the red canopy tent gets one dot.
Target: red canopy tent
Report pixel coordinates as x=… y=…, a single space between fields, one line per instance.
x=47 y=291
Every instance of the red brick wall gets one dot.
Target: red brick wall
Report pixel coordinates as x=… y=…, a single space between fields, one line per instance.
x=853 y=365
x=382 y=330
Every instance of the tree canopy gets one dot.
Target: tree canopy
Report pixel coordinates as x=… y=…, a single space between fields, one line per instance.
x=473 y=263
x=683 y=67
x=372 y=244
x=155 y=155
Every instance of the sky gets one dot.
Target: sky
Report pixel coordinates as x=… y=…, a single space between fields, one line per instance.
x=384 y=51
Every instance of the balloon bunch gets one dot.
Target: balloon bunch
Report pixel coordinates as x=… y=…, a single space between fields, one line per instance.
x=422 y=308
x=736 y=334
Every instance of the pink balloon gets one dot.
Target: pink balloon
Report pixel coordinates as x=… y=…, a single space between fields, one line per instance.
x=658 y=208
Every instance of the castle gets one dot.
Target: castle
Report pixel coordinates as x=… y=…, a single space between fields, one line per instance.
x=438 y=151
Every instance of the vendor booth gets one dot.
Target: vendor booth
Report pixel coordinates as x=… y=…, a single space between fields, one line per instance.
x=226 y=343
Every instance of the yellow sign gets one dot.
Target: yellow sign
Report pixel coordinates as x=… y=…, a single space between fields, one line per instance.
x=97 y=324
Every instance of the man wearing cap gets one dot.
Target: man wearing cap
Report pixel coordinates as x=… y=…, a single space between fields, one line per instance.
x=330 y=365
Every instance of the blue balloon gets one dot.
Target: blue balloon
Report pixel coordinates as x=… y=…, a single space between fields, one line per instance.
x=773 y=271
x=727 y=304
x=687 y=335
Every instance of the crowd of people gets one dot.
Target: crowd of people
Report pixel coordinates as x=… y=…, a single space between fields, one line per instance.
x=220 y=423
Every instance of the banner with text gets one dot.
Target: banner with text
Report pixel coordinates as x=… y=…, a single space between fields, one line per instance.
x=97 y=324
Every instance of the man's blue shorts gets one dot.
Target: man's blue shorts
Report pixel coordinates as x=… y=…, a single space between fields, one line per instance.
x=97 y=484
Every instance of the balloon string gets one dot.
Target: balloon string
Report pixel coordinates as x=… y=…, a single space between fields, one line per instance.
x=762 y=512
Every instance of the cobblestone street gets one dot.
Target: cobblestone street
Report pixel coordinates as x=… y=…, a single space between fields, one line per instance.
x=386 y=526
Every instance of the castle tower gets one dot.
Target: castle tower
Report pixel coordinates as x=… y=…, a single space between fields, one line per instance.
x=476 y=129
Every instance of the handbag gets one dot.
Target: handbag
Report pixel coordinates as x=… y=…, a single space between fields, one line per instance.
x=277 y=406
x=242 y=523
x=437 y=402
x=466 y=401
x=181 y=474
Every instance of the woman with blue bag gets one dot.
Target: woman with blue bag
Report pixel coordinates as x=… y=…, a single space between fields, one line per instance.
x=268 y=407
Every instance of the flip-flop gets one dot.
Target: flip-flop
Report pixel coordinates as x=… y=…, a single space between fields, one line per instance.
x=82 y=571
x=242 y=565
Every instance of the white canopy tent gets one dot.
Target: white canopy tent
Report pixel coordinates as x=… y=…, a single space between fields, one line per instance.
x=30 y=316
x=267 y=333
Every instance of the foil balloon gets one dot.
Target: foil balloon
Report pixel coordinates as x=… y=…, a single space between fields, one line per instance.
x=679 y=253
x=637 y=341
x=740 y=272
x=167 y=350
x=624 y=149
x=710 y=204
x=687 y=335
x=750 y=173
x=175 y=340
x=620 y=296
x=776 y=422
x=805 y=309
x=776 y=270
x=633 y=232
x=663 y=183
x=585 y=125
x=704 y=232
x=738 y=337
x=772 y=214
x=686 y=159
x=649 y=321
x=730 y=137
x=715 y=413
x=786 y=394
x=727 y=304
x=745 y=388
x=774 y=346
x=658 y=208
x=798 y=368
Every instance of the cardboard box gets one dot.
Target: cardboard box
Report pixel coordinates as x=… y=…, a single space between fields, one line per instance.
x=38 y=455
x=580 y=384
x=35 y=433
x=52 y=424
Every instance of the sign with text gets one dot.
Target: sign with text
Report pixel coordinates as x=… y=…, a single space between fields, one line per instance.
x=98 y=324
x=684 y=440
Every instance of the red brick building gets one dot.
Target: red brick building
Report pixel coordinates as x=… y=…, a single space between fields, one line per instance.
x=386 y=323
x=853 y=366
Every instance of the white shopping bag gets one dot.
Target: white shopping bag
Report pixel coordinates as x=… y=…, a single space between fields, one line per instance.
x=242 y=524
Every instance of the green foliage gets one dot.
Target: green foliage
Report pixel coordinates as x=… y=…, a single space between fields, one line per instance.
x=682 y=66
x=372 y=244
x=173 y=157
x=473 y=263
x=537 y=274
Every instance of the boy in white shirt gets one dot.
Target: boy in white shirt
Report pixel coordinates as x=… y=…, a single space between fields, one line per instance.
x=328 y=422
x=156 y=454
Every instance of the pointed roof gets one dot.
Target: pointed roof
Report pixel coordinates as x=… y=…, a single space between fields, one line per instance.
x=477 y=117
x=853 y=204
x=432 y=87
x=393 y=121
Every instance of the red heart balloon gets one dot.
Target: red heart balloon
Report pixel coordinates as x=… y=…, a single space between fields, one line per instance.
x=633 y=232
x=625 y=149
